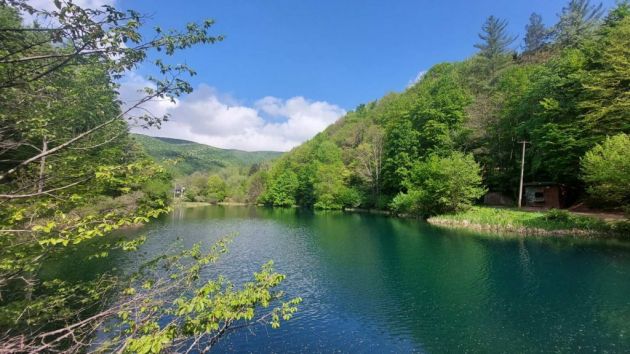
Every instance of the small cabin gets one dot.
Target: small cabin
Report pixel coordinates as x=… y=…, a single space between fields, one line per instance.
x=179 y=191
x=545 y=195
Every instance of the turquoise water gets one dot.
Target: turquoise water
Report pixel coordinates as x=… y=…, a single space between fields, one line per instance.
x=377 y=284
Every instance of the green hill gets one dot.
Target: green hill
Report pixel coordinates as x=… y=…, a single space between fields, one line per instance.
x=426 y=149
x=190 y=157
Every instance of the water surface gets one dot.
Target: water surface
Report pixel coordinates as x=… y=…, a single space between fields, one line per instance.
x=377 y=284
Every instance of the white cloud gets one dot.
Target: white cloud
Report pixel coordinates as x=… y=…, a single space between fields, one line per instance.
x=207 y=117
x=416 y=79
x=130 y=92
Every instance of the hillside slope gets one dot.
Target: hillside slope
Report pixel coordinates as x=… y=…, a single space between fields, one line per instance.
x=190 y=157
x=563 y=99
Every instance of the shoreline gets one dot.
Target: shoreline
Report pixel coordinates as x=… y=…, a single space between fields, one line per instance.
x=495 y=224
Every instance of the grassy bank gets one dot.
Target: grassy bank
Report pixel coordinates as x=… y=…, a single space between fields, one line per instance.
x=554 y=222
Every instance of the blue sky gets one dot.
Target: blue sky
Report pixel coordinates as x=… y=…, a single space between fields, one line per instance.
x=337 y=54
x=340 y=51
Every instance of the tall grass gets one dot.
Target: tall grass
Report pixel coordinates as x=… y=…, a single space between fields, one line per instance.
x=526 y=221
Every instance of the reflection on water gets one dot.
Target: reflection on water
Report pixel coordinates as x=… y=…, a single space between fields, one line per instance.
x=377 y=284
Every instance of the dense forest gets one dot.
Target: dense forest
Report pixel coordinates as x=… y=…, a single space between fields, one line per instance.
x=71 y=174
x=456 y=133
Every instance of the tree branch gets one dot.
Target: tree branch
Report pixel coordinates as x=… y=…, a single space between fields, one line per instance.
x=47 y=192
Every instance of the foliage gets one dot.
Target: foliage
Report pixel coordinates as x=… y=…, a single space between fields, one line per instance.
x=607 y=98
x=495 y=43
x=561 y=98
x=201 y=311
x=578 y=20
x=70 y=175
x=536 y=34
x=281 y=192
x=605 y=169
x=527 y=221
x=166 y=305
x=558 y=215
x=216 y=188
x=440 y=185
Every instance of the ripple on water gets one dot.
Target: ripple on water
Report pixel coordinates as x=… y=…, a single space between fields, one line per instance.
x=377 y=284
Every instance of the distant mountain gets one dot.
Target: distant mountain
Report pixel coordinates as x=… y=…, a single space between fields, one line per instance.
x=191 y=157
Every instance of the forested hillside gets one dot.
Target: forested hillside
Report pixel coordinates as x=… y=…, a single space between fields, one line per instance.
x=206 y=173
x=440 y=144
x=186 y=157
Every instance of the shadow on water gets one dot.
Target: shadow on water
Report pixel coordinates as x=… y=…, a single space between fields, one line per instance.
x=375 y=283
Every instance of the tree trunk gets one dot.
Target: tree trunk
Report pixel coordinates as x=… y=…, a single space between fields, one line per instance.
x=42 y=167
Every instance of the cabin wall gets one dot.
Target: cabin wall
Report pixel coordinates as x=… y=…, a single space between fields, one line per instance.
x=543 y=197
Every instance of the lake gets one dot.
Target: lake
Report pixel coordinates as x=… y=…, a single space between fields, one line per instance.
x=372 y=283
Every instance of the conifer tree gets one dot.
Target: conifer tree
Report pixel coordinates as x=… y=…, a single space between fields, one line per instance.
x=606 y=94
x=495 y=43
x=536 y=35
x=577 y=20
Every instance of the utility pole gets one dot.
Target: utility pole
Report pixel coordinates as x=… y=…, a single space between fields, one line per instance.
x=520 y=189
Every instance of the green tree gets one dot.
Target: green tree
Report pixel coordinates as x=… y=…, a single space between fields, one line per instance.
x=195 y=187
x=329 y=182
x=216 y=188
x=536 y=34
x=578 y=20
x=282 y=190
x=401 y=150
x=495 y=45
x=607 y=97
x=555 y=127
x=606 y=171
x=330 y=185
x=440 y=185
x=369 y=159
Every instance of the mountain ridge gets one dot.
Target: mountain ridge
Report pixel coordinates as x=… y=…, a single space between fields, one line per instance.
x=193 y=157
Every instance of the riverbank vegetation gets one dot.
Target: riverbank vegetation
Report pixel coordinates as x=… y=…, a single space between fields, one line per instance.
x=553 y=222
x=71 y=174
x=565 y=92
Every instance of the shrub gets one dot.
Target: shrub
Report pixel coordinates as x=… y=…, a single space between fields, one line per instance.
x=350 y=197
x=440 y=185
x=622 y=227
x=409 y=203
x=606 y=171
x=327 y=202
x=558 y=215
x=337 y=200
